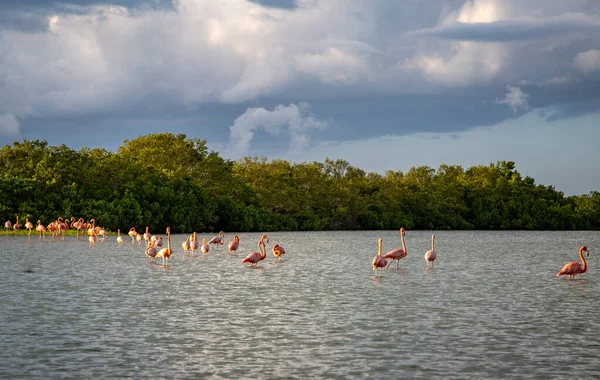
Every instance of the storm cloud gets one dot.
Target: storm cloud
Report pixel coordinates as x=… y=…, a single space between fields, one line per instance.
x=93 y=73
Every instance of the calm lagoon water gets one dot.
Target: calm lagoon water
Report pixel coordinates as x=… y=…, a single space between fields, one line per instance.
x=492 y=307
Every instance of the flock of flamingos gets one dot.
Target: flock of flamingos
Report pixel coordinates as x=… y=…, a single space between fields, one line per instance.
x=154 y=244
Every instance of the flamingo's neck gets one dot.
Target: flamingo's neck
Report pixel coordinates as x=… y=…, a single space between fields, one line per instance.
x=433 y=242
x=582 y=260
x=263 y=250
x=403 y=243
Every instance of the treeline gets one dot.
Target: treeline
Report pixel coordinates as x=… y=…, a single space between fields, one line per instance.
x=165 y=179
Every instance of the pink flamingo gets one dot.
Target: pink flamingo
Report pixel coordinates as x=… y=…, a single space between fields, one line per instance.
x=254 y=257
x=77 y=224
x=8 y=225
x=28 y=226
x=91 y=227
x=62 y=226
x=16 y=226
x=204 y=247
x=379 y=261
x=101 y=231
x=218 y=240
x=93 y=238
x=194 y=243
x=278 y=251
x=40 y=228
x=138 y=239
x=398 y=253
x=147 y=235
x=159 y=242
x=186 y=245
x=120 y=240
x=53 y=227
x=234 y=244
x=573 y=268
x=431 y=255
x=165 y=253
x=151 y=250
x=133 y=233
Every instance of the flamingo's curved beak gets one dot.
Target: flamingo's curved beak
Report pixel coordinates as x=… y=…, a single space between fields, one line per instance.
x=587 y=253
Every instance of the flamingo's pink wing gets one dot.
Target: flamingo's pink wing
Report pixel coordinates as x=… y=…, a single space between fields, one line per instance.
x=571 y=268
x=395 y=254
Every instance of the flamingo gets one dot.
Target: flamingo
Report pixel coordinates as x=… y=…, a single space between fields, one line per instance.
x=40 y=228
x=79 y=225
x=61 y=226
x=8 y=225
x=91 y=226
x=234 y=244
x=278 y=251
x=186 y=245
x=379 y=261
x=194 y=243
x=147 y=235
x=133 y=233
x=431 y=255
x=151 y=250
x=120 y=240
x=204 y=247
x=92 y=239
x=218 y=240
x=254 y=257
x=138 y=239
x=52 y=227
x=28 y=226
x=100 y=231
x=165 y=253
x=398 y=253
x=16 y=226
x=573 y=268
x=159 y=242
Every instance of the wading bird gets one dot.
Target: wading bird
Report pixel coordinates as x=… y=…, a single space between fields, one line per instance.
x=379 y=261
x=120 y=240
x=165 y=253
x=151 y=250
x=40 y=228
x=398 y=253
x=204 y=247
x=573 y=268
x=133 y=233
x=194 y=243
x=218 y=240
x=431 y=255
x=16 y=226
x=28 y=226
x=234 y=244
x=278 y=251
x=186 y=246
x=8 y=225
x=254 y=257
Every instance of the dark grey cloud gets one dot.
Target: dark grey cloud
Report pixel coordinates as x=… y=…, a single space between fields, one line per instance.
x=101 y=78
x=31 y=16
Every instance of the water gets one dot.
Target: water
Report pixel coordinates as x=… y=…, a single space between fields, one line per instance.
x=492 y=307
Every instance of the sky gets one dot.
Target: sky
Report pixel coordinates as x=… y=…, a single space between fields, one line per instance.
x=384 y=85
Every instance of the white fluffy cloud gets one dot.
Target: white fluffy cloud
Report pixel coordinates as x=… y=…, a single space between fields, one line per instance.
x=515 y=98
x=295 y=119
x=105 y=59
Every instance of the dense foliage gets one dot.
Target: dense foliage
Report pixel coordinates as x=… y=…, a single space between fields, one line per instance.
x=165 y=179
